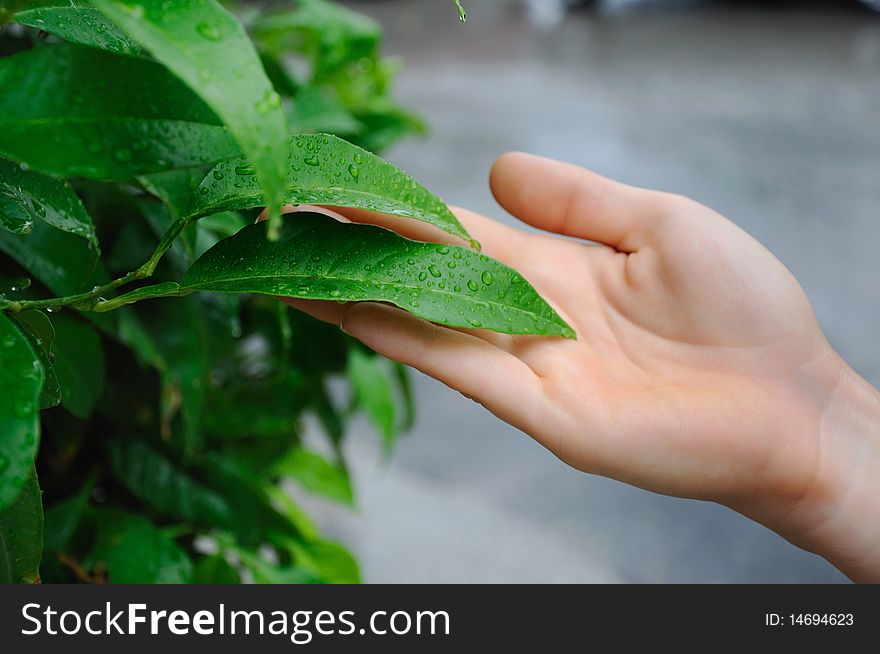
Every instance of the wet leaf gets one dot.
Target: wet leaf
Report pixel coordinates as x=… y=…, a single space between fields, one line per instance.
x=327 y=170
x=77 y=22
x=40 y=332
x=21 y=377
x=207 y=48
x=27 y=197
x=78 y=112
x=63 y=262
x=21 y=535
x=319 y=258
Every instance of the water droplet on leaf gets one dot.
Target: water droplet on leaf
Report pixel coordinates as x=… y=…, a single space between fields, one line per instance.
x=208 y=31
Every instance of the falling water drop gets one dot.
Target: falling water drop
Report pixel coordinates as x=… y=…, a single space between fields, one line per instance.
x=462 y=14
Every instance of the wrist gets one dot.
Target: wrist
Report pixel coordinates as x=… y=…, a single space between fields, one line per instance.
x=838 y=513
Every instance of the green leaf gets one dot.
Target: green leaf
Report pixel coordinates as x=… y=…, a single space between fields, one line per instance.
x=252 y=502
x=174 y=187
x=64 y=518
x=316 y=474
x=371 y=383
x=79 y=364
x=268 y=573
x=59 y=114
x=207 y=48
x=319 y=258
x=27 y=197
x=404 y=385
x=264 y=409
x=21 y=535
x=76 y=22
x=214 y=570
x=319 y=109
x=326 y=170
x=330 y=34
x=165 y=486
x=292 y=512
x=63 y=262
x=40 y=332
x=21 y=377
x=134 y=551
x=179 y=335
x=330 y=562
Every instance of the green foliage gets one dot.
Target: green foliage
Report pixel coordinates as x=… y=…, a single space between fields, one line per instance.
x=139 y=140
x=21 y=378
x=21 y=535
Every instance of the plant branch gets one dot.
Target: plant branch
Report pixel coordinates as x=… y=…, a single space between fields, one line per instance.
x=92 y=300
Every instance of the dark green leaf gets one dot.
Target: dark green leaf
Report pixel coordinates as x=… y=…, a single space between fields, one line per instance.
x=207 y=48
x=214 y=570
x=63 y=262
x=174 y=187
x=316 y=474
x=179 y=336
x=39 y=197
x=21 y=535
x=264 y=409
x=21 y=377
x=59 y=114
x=326 y=170
x=255 y=515
x=77 y=22
x=165 y=486
x=64 y=518
x=370 y=380
x=38 y=329
x=79 y=364
x=134 y=551
x=320 y=258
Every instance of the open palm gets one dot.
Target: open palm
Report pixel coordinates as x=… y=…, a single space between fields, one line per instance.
x=689 y=373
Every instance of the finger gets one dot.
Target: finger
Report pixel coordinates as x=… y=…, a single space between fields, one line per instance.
x=495 y=378
x=566 y=199
x=408 y=227
x=496 y=239
x=325 y=311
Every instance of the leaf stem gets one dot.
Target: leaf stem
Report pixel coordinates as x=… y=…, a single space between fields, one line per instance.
x=93 y=300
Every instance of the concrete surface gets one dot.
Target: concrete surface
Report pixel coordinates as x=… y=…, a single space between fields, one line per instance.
x=769 y=116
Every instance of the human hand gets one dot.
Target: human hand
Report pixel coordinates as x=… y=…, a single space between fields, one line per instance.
x=699 y=369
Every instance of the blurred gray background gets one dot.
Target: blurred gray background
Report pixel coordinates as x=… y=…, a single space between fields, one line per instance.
x=767 y=112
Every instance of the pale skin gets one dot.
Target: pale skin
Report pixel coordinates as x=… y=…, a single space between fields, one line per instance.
x=699 y=369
